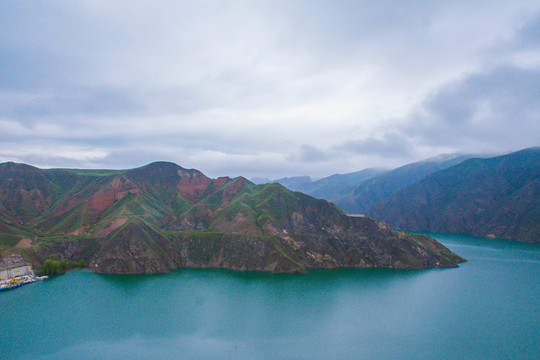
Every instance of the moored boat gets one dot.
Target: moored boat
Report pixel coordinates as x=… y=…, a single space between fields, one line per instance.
x=13 y=283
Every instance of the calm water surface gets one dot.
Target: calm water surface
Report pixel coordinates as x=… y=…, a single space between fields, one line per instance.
x=488 y=308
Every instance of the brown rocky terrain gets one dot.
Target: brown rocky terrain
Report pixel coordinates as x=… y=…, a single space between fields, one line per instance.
x=160 y=217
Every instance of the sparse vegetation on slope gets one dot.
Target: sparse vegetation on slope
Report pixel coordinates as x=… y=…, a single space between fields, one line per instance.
x=497 y=197
x=161 y=216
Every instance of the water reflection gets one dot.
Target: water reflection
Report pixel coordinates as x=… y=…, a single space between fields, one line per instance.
x=479 y=310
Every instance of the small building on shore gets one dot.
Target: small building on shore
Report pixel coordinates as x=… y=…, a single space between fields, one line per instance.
x=13 y=265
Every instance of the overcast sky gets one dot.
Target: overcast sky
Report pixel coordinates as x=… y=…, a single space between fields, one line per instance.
x=266 y=88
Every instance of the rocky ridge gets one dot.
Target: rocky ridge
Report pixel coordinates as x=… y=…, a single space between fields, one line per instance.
x=494 y=197
x=161 y=216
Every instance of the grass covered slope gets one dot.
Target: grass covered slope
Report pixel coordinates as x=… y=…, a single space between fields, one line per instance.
x=161 y=216
x=497 y=197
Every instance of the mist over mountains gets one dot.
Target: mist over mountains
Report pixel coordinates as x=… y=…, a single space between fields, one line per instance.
x=494 y=197
x=489 y=196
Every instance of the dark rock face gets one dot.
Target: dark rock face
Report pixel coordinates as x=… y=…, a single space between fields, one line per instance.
x=363 y=244
x=161 y=217
x=496 y=197
x=136 y=248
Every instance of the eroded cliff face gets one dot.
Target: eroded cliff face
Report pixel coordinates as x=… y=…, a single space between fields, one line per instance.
x=195 y=185
x=364 y=243
x=160 y=217
x=135 y=249
x=114 y=191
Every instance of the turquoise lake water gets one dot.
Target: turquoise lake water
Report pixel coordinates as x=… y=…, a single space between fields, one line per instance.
x=488 y=308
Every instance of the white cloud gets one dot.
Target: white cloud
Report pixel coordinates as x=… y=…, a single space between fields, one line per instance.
x=270 y=88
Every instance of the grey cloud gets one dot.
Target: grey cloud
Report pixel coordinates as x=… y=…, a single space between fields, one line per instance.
x=35 y=49
x=53 y=161
x=494 y=110
x=391 y=144
x=529 y=34
x=226 y=86
x=73 y=101
x=309 y=153
x=100 y=101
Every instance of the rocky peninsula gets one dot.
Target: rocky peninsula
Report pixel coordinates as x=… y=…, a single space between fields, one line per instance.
x=160 y=217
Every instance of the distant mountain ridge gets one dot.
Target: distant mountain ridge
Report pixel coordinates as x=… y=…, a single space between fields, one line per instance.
x=161 y=216
x=496 y=197
x=329 y=188
x=356 y=192
x=295 y=183
x=361 y=197
x=405 y=197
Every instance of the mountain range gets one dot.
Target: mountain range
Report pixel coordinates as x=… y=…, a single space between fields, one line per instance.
x=494 y=197
x=488 y=196
x=161 y=216
x=359 y=198
x=333 y=188
x=356 y=192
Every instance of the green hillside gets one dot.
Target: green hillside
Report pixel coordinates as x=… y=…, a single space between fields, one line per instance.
x=497 y=197
x=161 y=216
